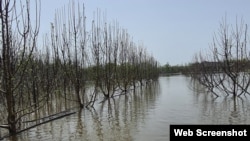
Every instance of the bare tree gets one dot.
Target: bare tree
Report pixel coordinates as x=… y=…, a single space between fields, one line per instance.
x=69 y=34
x=104 y=46
x=18 y=40
x=225 y=68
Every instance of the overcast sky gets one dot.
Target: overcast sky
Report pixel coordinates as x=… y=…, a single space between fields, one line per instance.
x=172 y=30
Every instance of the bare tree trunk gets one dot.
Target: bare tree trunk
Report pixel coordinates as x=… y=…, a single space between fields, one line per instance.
x=16 y=48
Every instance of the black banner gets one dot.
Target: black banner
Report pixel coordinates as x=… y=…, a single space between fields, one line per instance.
x=214 y=132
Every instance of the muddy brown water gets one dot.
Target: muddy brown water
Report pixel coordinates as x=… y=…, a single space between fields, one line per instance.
x=144 y=115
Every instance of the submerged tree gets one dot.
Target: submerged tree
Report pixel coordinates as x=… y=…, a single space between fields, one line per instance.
x=225 y=68
x=117 y=64
x=69 y=38
x=34 y=79
x=18 y=41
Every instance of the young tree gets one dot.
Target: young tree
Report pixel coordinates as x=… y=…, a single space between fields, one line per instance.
x=225 y=68
x=18 y=39
x=69 y=34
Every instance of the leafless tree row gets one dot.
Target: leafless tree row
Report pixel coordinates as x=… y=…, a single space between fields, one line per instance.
x=70 y=59
x=117 y=64
x=224 y=69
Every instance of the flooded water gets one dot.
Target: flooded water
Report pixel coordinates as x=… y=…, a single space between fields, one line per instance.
x=144 y=115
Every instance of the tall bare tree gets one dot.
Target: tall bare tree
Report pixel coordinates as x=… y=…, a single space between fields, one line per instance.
x=69 y=35
x=18 y=40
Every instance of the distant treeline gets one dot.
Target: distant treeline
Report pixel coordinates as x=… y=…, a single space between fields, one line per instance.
x=175 y=69
x=217 y=67
x=208 y=66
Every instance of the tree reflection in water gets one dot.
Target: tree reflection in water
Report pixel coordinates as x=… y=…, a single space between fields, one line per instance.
x=223 y=109
x=117 y=118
